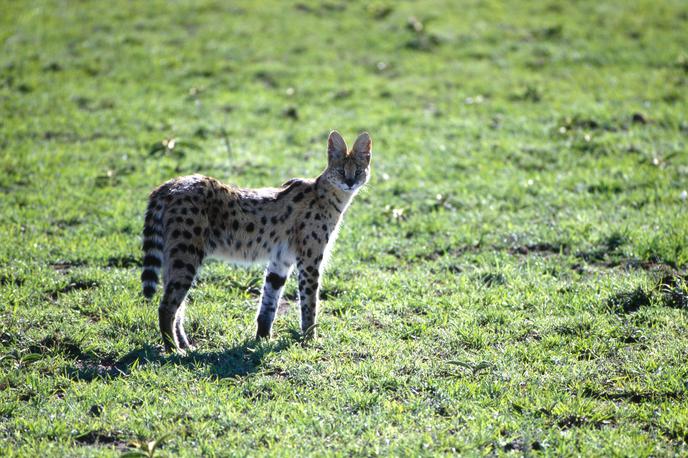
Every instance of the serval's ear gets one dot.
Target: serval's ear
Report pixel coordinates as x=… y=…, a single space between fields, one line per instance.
x=363 y=146
x=336 y=147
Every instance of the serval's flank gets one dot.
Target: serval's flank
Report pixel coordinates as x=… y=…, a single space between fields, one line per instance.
x=194 y=217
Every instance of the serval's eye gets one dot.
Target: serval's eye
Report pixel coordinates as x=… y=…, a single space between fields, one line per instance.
x=359 y=172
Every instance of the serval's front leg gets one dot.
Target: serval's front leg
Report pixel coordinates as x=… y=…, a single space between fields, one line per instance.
x=309 y=288
x=275 y=277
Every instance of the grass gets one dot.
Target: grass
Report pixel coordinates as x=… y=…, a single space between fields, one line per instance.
x=512 y=281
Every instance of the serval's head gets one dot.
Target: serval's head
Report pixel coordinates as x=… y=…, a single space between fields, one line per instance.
x=347 y=169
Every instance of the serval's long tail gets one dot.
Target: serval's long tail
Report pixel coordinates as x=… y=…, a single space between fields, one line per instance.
x=153 y=242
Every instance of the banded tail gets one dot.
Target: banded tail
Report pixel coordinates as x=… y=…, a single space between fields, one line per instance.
x=152 y=248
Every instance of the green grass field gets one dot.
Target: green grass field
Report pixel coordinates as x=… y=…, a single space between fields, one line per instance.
x=512 y=281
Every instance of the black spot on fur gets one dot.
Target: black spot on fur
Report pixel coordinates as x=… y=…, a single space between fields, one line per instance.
x=150 y=260
x=264 y=220
x=148 y=291
x=152 y=245
x=290 y=182
x=191 y=268
x=275 y=280
x=250 y=227
x=235 y=225
x=334 y=206
x=149 y=275
x=197 y=230
x=187 y=235
x=298 y=197
x=178 y=264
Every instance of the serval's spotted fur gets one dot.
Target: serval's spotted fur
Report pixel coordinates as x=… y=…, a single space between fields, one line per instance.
x=191 y=218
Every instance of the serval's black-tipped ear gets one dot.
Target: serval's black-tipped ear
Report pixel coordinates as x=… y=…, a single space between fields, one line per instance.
x=363 y=146
x=336 y=146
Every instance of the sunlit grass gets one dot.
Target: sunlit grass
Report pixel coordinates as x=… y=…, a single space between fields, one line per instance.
x=512 y=280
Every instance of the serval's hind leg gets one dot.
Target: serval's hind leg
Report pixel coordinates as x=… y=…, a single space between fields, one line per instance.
x=184 y=253
x=178 y=280
x=182 y=339
x=172 y=300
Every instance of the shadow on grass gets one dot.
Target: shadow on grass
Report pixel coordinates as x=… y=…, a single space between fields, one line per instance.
x=240 y=360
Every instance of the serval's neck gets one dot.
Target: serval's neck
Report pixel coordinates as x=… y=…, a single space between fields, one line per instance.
x=332 y=197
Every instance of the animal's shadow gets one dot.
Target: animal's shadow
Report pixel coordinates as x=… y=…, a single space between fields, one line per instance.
x=240 y=360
